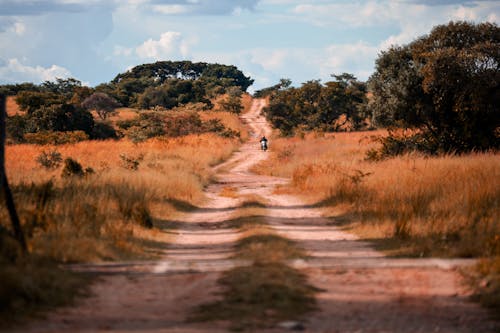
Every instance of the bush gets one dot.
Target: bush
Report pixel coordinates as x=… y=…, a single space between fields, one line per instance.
x=15 y=128
x=131 y=162
x=50 y=159
x=55 y=138
x=103 y=130
x=72 y=168
x=60 y=117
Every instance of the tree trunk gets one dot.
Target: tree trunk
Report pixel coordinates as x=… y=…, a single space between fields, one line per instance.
x=4 y=184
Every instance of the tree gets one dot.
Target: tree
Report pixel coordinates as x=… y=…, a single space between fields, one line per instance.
x=446 y=85
x=64 y=87
x=232 y=102
x=173 y=93
x=60 y=117
x=31 y=101
x=101 y=103
x=4 y=184
x=283 y=84
x=317 y=106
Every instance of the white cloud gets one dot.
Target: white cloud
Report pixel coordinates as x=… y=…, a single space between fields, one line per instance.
x=122 y=51
x=170 y=45
x=353 y=58
x=14 y=71
x=171 y=9
x=19 y=28
x=354 y=14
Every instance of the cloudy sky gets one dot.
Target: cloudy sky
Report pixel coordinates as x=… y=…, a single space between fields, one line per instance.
x=93 y=40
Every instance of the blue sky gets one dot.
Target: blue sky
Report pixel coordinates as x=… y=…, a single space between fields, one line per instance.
x=94 y=40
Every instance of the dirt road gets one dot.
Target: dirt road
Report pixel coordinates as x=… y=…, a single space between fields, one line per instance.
x=362 y=290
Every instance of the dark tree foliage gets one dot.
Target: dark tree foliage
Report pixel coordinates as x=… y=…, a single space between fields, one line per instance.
x=316 y=106
x=14 y=89
x=60 y=117
x=446 y=85
x=146 y=84
x=15 y=128
x=283 y=84
x=30 y=101
x=173 y=93
x=101 y=103
x=64 y=87
x=163 y=71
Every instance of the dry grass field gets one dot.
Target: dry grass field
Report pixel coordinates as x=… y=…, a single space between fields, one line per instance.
x=128 y=180
x=413 y=205
x=114 y=210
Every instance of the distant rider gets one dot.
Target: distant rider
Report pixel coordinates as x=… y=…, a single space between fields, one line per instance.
x=263 y=143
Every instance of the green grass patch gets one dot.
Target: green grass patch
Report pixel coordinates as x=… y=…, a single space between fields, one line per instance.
x=259 y=296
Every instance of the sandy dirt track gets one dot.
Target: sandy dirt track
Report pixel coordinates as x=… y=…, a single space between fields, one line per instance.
x=362 y=290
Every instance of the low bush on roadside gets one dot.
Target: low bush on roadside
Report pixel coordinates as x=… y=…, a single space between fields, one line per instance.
x=55 y=138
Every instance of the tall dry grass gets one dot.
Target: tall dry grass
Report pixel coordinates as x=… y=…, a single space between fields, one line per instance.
x=103 y=215
x=411 y=205
x=448 y=205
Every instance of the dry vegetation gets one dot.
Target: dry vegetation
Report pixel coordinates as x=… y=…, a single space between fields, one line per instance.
x=81 y=219
x=412 y=205
x=113 y=208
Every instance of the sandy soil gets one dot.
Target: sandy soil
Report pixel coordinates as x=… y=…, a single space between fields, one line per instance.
x=362 y=290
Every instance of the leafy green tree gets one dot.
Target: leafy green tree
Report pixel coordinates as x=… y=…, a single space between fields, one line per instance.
x=30 y=101
x=445 y=84
x=173 y=93
x=283 y=84
x=60 y=117
x=64 y=87
x=316 y=106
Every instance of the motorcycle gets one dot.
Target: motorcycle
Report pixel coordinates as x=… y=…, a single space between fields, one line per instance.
x=263 y=145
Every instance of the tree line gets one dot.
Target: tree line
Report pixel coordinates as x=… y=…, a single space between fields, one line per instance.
x=443 y=86
x=64 y=105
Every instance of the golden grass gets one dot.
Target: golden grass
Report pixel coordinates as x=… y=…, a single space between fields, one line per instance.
x=412 y=205
x=99 y=217
x=229 y=120
x=12 y=107
x=448 y=205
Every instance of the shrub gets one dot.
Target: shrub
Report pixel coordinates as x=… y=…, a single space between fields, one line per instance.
x=50 y=159
x=72 y=168
x=131 y=162
x=60 y=117
x=103 y=130
x=56 y=138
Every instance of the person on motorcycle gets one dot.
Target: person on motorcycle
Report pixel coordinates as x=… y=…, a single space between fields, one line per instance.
x=263 y=143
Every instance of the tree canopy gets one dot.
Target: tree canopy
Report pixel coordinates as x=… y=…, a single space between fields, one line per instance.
x=445 y=84
x=317 y=106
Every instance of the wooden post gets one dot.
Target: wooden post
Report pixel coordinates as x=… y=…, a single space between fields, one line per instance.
x=4 y=184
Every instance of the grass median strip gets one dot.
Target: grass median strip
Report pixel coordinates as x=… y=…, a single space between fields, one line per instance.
x=266 y=292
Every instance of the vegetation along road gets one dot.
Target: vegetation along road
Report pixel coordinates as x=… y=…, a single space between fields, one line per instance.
x=254 y=258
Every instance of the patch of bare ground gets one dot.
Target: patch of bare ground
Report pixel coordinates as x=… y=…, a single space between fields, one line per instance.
x=361 y=290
